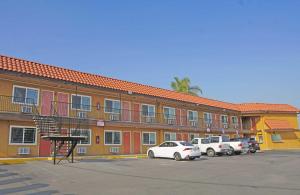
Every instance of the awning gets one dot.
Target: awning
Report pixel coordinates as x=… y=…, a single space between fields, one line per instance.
x=279 y=125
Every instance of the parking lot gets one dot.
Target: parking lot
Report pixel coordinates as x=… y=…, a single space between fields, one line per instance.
x=261 y=173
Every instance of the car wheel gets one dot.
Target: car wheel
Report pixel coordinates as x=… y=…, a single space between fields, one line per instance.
x=151 y=154
x=230 y=152
x=210 y=152
x=252 y=151
x=238 y=153
x=192 y=158
x=177 y=156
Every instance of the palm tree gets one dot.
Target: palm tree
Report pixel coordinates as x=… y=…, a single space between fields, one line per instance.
x=183 y=86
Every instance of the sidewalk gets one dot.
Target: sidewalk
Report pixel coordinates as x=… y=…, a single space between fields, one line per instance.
x=11 y=161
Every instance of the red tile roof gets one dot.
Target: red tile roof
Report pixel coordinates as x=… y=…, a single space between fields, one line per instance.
x=48 y=71
x=278 y=124
x=262 y=107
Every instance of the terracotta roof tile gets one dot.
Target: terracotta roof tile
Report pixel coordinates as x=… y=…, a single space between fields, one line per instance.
x=53 y=72
x=262 y=107
x=278 y=124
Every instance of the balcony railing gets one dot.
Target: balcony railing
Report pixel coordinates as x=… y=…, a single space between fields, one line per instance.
x=68 y=110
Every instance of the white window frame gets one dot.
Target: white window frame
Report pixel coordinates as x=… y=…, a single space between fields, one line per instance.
x=223 y=115
x=169 y=108
x=193 y=111
x=148 y=132
x=90 y=108
x=237 y=120
x=114 y=100
x=24 y=127
x=113 y=138
x=79 y=143
x=170 y=136
x=210 y=119
x=19 y=86
x=148 y=110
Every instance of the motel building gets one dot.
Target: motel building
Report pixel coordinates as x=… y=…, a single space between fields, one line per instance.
x=39 y=101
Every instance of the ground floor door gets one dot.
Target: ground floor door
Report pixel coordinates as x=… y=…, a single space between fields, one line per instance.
x=126 y=142
x=137 y=142
x=44 y=147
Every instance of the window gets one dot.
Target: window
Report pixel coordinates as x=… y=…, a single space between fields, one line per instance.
x=112 y=106
x=214 y=139
x=169 y=113
x=204 y=141
x=186 y=144
x=234 y=120
x=148 y=110
x=112 y=138
x=208 y=118
x=170 y=136
x=276 y=137
x=25 y=95
x=225 y=138
x=260 y=139
x=192 y=115
x=149 y=138
x=81 y=102
x=82 y=132
x=195 y=141
x=22 y=135
x=224 y=119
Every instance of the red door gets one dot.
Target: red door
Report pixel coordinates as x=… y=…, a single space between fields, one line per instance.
x=44 y=148
x=47 y=98
x=62 y=104
x=178 y=137
x=137 y=142
x=178 y=117
x=183 y=117
x=185 y=137
x=126 y=140
x=136 y=113
x=125 y=111
x=45 y=145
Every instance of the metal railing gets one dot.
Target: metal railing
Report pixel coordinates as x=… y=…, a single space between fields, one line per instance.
x=71 y=116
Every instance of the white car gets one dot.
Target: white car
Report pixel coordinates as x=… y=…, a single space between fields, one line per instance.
x=174 y=149
x=211 y=146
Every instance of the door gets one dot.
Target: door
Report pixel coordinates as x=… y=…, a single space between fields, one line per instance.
x=136 y=112
x=137 y=142
x=62 y=104
x=126 y=140
x=125 y=111
x=44 y=147
x=183 y=117
x=185 y=137
x=178 y=137
x=178 y=117
x=47 y=98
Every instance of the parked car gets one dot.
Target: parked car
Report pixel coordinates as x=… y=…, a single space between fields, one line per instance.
x=236 y=146
x=211 y=146
x=253 y=144
x=177 y=150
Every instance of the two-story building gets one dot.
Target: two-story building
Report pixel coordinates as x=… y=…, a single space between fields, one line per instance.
x=115 y=116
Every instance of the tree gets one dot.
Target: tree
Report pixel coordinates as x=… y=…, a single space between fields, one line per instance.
x=184 y=86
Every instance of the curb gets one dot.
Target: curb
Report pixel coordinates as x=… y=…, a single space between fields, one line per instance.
x=13 y=161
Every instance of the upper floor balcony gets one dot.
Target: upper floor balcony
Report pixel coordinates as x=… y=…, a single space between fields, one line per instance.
x=111 y=115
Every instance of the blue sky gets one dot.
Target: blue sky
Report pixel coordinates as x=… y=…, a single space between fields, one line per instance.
x=236 y=50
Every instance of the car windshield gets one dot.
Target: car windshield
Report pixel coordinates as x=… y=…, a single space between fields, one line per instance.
x=186 y=144
x=214 y=139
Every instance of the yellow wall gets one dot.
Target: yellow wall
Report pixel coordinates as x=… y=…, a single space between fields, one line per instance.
x=290 y=139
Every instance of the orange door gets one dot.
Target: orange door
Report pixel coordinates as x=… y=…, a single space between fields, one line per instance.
x=126 y=140
x=183 y=117
x=137 y=142
x=178 y=117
